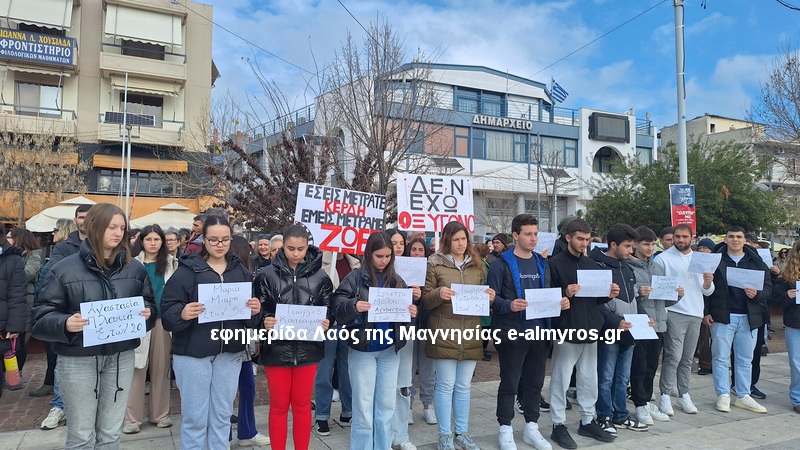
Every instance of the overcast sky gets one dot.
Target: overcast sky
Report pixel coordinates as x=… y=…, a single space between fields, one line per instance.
x=730 y=44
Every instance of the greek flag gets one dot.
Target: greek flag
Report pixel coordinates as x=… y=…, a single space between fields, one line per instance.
x=558 y=93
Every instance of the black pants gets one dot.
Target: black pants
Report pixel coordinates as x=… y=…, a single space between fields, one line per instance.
x=517 y=358
x=50 y=374
x=646 y=354
x=756 y=372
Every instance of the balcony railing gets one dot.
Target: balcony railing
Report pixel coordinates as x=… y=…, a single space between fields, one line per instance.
x=38 y=111
x=290 y=120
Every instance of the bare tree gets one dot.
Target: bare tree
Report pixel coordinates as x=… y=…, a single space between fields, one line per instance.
x=554 y=180
x=38 y=168
x=778 y=103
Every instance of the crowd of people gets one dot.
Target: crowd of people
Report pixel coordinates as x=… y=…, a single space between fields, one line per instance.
x=100 y=391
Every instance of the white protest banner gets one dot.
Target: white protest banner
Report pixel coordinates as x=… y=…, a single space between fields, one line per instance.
x=113 y=320
x=411 y=270
x=601 y=245
x=640 y=329
x=340 y=220
x=594 y=283
x=298 y=317
x=547 y=241
x=470 y=300
x=704 y=262
x=543 y=303
x=429 y=202
x=224 y=301
x=745 y=278
x=664 y=288
x=766 y=256
x=389 y=305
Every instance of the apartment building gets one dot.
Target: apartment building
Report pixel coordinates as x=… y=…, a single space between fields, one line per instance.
x=72 y=67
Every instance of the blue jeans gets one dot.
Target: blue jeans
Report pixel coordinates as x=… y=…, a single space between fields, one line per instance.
x=56 y=401
x=402 y=408
x=613 y=374
x=335 y=350
x=208 y=389
x=738 y=335
x=373 y=377
x=792 y=336
x=95 y=407
x=246 y=428
x=452 y=394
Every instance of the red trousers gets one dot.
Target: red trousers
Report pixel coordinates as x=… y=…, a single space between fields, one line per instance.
x=290 y=386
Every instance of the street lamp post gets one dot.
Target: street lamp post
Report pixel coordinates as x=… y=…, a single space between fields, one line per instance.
x=681 y=77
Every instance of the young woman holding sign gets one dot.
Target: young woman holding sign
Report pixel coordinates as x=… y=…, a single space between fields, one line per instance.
x=206 y=365
x=296 y=278
x=373 y=363
x=95 y=381
x=454 y=361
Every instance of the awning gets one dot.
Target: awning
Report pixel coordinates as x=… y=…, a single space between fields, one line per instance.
x=142 y=86
x=141 y=164
x=38 y=70
x=143 y=26
x=45 y=13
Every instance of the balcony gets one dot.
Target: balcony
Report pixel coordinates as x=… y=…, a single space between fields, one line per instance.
x=172 y=68
x=38 y=120
x=167 y=133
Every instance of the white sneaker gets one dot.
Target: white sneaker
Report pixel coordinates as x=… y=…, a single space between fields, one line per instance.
x=335 y=398
x=506 y=438
x=643 y=415
x=747 y=402
x=54 y=418
x=533 y=437
x=723 y=403
x=665 y=405
x=430 y=415
x=411 y=417
x=404 y=446
x=685 y=403
x=655 y=414
x=259 y=440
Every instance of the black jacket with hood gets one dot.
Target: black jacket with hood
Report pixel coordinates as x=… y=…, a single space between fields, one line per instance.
x=78 y=279
x=625 y=303
x=308 y=285
x=13 y=290
x=718 y=303
x=68 y=247
x=190 y=338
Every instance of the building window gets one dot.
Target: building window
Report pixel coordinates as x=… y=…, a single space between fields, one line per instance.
x=467 y=101
x=478 y=150
x=499 y=146
x=491 y=104
x=605 y=160
x=462 y=142
x=143 y=104
x=521 y=147
x=41 y=30
x=142 y=183
x=559 y=152
x=415 y=141
x=479 y=102
x=645 y=155
x=143 y=49
x=38 y=100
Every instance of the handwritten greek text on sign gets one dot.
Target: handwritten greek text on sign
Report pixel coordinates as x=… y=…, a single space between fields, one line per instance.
x=547 y=241
x=766 y=256
x=543 y=303
x=594 y=283
x=340 y=220
x=640 y=326
x=470 y=300
x=429 y=202
x=297 y=317
x=664 y=288
x=389 y=305
x=411 y=270
x=113 y=320
x=745 y=278
x=224 y=301
x=704 y=262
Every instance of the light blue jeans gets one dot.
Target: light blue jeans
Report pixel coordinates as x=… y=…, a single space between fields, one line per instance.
x=452 y=394
x=613 y=373
x=95 y=406
x=738 y=335
x=56 y=401
x=792 y=336
x=402 y=408
x=208 y=388
x=373 y=378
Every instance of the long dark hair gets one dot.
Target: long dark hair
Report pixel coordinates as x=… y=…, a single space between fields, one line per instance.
x=209 y=222
x=428 y=251
x=378 y=241
x=447 y=235
x=161 y=256
x=241 y=248
x=95 y=224
x=24 y=239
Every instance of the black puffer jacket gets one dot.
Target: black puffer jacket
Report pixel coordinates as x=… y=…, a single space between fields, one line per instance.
x=13 y=289
x=780 y=299
x=77 y=279
x=309 y=285
x=191 y=338
x=353 y=288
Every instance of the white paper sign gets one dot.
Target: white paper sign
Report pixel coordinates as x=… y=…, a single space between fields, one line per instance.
x=600 y=245
x=547 y=241
x=411 y=270
x=640 y=327
x=113 y=320
x=797 y=297
x=543 y=303
x=745 y=278
x=389 y=305
x=766 y=256
x=429 y=202
x=224 y=301
x=299 y=317
x=664 y=288
x=594 y=283
x=470 y=300
x=704 y=262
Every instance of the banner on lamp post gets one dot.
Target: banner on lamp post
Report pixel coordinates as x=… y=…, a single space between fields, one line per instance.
x=682 y=204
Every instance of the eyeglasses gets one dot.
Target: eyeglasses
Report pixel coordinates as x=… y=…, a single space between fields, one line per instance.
x=172 y=240
x=215 y=241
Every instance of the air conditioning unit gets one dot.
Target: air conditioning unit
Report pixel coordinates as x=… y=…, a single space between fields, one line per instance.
x=136 y=120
